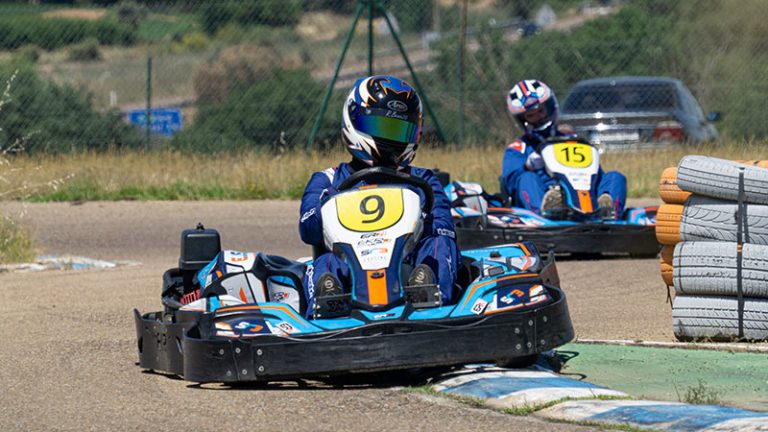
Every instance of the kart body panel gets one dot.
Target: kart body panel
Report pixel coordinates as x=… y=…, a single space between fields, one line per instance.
x=511 y=309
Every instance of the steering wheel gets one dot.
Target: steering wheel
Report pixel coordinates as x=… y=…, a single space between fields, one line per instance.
x=383 y=175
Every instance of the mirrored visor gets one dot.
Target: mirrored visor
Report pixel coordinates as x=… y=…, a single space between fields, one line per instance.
x=387 y=128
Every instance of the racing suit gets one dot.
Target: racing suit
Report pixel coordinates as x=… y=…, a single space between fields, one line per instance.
x=436 y=248
x=526 y=188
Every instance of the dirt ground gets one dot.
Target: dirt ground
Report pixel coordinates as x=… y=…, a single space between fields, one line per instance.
x=69 y=348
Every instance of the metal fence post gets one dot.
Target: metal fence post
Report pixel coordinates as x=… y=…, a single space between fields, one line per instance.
x=370 y=37
x=416 y=82
x=149 y=101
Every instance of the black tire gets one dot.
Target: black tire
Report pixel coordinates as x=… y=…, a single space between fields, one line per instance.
x=719 y=178
x=710 y=219
x=716 y=318
x=709 y=268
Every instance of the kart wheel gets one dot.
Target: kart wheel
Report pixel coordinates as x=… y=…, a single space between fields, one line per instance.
x=709 y=268
x=518 y=362
x=711 y=219
x=719 y=178
x=716 y=318
x=669 y=191
x=668 y=223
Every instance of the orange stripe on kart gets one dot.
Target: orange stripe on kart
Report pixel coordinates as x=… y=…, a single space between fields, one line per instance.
x=585 y=201
x=482 y=284
x=377 y=287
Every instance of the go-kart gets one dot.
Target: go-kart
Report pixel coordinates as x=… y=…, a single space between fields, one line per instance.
x=242 y=316
x=483 y=220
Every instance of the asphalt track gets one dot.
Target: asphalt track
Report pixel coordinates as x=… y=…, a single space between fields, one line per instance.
x=69 y=349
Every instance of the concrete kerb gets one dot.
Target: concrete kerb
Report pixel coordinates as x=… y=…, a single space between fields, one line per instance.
x=65 y=262
x=544 y=393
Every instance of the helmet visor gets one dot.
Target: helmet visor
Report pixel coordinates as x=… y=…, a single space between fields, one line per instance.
x=387 y=128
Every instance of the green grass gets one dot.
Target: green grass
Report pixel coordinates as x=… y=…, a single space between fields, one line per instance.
x=169 y=175
x=16 y=244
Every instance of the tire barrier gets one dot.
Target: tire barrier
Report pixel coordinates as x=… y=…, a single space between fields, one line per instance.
x=719 y=178
x=710 y=268
x=669 y=191
x=714 y=228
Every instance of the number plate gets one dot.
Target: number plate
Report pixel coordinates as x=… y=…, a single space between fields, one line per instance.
x=573 y=154
x=370 y=210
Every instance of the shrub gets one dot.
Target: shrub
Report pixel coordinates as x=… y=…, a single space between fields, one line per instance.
x=216 y=15
x=233 y=66
x=47 y=117
x=195 y=41
x=276 y=113
x=87 y=50
x=52 y=33
x=27 y=54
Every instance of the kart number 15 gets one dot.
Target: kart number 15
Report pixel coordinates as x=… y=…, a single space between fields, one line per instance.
x=370 y=210
x=573 y=155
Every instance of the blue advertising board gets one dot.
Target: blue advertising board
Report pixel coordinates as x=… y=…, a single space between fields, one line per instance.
x=163 y=121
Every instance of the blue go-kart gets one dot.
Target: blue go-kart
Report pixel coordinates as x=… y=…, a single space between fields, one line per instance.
x=484 y=220
x=244 y=316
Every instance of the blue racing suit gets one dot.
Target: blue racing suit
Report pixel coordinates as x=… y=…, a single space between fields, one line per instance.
x=526 y=188
x=436 y=248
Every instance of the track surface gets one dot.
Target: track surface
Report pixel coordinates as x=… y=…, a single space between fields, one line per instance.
x=69 y=349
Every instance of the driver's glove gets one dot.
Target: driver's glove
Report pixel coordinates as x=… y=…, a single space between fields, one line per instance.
x=534 y=162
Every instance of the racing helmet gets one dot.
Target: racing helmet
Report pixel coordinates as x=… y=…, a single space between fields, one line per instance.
x=533 y=105
x=381 y=121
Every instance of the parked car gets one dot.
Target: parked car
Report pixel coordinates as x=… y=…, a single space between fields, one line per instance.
x=628 y=112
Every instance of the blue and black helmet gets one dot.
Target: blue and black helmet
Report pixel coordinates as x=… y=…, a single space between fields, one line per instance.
x=381 y=121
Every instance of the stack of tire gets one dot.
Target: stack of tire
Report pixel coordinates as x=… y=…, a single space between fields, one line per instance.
x=713 y=226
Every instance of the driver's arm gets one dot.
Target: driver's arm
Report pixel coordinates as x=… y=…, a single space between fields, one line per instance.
x=310 y=222
x=440 y=218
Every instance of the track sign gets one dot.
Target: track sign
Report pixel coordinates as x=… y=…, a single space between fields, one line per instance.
x=163 y=121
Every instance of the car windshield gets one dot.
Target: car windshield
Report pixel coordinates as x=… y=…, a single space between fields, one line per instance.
x=621 y=97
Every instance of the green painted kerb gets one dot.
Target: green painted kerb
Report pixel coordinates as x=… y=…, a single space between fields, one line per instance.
x=673 y=374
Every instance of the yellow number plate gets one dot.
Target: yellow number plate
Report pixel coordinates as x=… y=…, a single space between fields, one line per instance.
x=573 y=154
x=370 y=210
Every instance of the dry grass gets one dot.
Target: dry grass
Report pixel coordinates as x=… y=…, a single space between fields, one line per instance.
x=173 y=175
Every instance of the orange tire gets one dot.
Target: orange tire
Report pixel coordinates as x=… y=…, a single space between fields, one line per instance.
x=669 y=191
x=666 y=273
x=757 y=163
x=667 y=252
x=668 y=224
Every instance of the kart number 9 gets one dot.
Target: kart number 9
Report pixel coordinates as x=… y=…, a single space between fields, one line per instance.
x=573 y=155
x=370 y=210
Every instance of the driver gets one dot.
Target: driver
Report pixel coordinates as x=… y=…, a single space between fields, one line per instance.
x=381 y=124
x=534 y=106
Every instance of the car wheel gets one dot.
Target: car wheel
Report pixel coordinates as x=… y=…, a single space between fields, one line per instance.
x=710 y=219
x=719 y=178
x=669 y=191
x=716 y=318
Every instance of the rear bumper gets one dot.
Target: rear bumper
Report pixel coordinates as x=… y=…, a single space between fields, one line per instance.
x=586 y=238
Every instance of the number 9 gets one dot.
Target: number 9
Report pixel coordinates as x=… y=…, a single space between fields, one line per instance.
x=378 y=209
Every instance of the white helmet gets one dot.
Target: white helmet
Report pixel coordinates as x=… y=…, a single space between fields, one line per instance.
x=533 y=105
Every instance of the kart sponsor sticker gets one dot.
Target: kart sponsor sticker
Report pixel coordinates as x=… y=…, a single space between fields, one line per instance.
x=374 y=251
x=287 y=327
x=372 y=241
x=517 y=145
x=479 y=306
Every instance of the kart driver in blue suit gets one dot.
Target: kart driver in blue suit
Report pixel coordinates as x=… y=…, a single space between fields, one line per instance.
x=381 y=124
x=534 y=106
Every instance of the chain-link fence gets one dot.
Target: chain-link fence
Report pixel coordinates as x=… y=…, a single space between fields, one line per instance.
x=243 y=74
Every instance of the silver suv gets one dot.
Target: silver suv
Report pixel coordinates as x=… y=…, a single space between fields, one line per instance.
x=630 y=112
